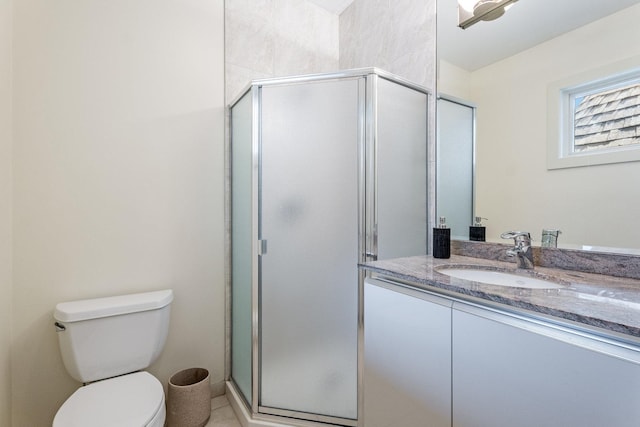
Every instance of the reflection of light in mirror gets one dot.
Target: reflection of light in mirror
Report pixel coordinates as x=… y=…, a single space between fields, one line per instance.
x=607 y=300
x=473 y=11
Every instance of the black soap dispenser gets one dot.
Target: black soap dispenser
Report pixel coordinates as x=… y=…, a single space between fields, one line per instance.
x=477 y=232
x=442 y=240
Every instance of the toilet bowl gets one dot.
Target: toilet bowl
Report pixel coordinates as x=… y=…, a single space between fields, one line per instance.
x=105 y=343
x=130 y=400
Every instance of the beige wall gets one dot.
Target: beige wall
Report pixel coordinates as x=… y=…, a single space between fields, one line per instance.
x=5 y=210
x=118 y=174
x=277 y=38
x=596 y=205
x=454 y=81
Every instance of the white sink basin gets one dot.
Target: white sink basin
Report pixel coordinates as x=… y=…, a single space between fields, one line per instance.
x=500 y=278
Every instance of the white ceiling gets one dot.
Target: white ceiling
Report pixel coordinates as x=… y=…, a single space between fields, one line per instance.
x=526 y=24
x=333 y=6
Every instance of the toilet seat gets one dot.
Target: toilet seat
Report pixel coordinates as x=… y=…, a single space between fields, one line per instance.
x=132 y=400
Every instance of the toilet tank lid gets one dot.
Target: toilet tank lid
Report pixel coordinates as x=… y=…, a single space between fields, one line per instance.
x=75 y=311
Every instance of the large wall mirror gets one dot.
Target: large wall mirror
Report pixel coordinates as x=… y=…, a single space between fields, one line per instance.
x=508 y=69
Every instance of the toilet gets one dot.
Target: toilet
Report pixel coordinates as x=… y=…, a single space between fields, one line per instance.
x=105 y=344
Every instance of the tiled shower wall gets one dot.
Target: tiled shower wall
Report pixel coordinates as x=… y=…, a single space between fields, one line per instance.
x=398 y=36
x=395 y=35
x=276 y=38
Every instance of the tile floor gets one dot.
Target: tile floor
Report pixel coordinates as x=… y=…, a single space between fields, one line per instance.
x=221 y=413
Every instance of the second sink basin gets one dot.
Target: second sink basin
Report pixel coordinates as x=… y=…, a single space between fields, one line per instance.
x=496 y=277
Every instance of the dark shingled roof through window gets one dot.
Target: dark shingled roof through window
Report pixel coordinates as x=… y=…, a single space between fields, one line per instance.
x=608 y=119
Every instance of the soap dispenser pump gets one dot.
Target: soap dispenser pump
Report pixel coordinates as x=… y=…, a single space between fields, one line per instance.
x=477 y=231
x=442 y=240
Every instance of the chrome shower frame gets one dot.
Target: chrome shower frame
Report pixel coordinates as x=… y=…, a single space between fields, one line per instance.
x=367 y=242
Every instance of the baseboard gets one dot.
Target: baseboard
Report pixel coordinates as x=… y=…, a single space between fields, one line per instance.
x=218 y=389
x=246 y=420
x=243 y=415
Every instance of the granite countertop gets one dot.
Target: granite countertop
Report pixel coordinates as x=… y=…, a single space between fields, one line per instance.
x=611 y=304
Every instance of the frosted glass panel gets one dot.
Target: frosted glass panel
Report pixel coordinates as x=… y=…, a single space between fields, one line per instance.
x=241 y=196
x=309 y=277
x=402 y=171
x=455 y=166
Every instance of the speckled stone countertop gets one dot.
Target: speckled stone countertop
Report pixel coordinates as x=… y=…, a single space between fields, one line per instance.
x=611 y=304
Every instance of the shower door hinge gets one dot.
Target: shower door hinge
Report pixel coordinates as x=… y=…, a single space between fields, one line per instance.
x=262 y=247
x=371 y=256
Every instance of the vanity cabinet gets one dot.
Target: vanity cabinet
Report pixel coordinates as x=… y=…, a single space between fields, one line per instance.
x=434 y=361
x=407 y=357
x=509 y=371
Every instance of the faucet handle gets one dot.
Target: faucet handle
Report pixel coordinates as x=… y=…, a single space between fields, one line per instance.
x=520 y=237
x=522 y=250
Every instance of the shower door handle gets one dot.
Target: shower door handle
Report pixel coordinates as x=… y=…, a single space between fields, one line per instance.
x=262 y=247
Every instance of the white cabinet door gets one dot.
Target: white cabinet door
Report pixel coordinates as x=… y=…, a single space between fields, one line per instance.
x=407 y=357
x=515 y=373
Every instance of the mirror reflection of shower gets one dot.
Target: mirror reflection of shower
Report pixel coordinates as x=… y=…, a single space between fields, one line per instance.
x=455 y=152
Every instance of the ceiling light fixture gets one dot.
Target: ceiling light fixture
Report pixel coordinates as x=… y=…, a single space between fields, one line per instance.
x=472 y=11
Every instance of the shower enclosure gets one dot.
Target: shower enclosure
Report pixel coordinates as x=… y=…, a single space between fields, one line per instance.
x=326 y=171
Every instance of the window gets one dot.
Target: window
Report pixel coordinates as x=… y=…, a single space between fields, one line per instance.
x=606 y=118
x=595 y=118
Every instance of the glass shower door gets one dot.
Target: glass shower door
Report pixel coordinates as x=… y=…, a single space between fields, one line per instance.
x=401 y=172
x=242 y=244
x=309 y=218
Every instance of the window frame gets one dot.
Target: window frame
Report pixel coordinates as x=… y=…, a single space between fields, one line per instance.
x=560 y=116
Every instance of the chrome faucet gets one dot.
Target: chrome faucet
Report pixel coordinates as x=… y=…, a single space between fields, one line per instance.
x=522 y=249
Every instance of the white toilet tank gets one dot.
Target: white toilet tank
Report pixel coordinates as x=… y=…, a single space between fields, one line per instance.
x=105 y=337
